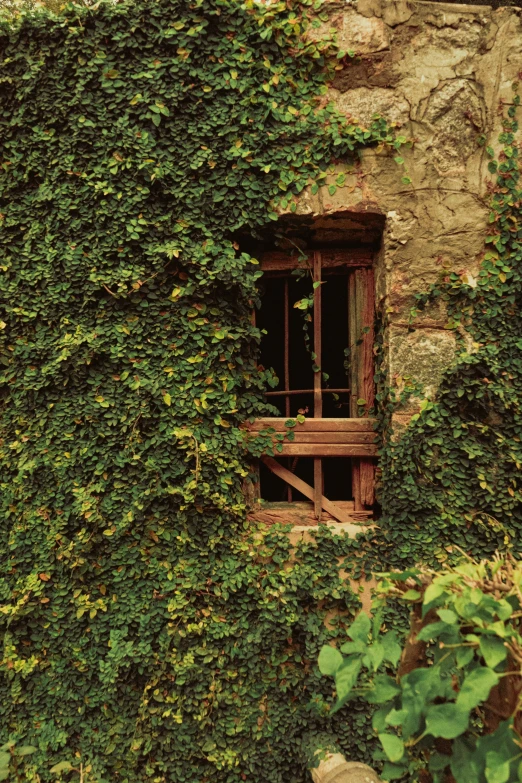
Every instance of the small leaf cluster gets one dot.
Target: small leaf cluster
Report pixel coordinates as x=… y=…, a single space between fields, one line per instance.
x=11 y=757
x=453 y=704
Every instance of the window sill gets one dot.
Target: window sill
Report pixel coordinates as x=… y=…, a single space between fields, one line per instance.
x=300 y=515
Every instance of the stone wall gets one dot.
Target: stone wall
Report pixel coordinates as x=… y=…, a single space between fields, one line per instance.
x=439 y=71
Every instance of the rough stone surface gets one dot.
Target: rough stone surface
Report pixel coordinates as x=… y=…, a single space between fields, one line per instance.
x=453 y=114
x=421 y=355
x=439 y=71
x=369 y=8
x=362 y=35
x=396 y=12
x=362 y=103
x=335 y=769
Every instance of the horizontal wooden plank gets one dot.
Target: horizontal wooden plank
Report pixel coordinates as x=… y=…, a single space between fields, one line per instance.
x=314 y=425
x=327 y=450
x=292 y=392
x=303 y=506
x=302 y=513
x=277 y=261
x=332 y=437
x=346 y=437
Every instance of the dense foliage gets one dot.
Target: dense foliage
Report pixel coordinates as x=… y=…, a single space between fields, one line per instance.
x=453 y=704
x=148 y=633
x=16 y=6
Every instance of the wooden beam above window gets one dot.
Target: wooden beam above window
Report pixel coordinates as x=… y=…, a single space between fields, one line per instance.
x=277 y=261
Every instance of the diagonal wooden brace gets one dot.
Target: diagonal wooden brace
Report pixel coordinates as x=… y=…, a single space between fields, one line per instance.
x=308 y=491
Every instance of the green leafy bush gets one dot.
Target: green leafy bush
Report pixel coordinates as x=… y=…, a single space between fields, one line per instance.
x=449 y=703
x=146 y=629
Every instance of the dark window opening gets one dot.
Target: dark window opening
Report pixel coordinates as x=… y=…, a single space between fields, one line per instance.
x=335 y=346
x=316 y=319
x=337 y=477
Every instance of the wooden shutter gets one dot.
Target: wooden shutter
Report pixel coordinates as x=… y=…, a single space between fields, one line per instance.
x=361 y=334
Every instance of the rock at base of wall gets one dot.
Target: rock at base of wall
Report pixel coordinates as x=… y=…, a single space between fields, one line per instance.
x=335 y=769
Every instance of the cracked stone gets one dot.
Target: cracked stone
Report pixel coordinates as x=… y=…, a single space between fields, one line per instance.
x=369 y=8
x=397 y=12
x=441 y=73
x=456 y=114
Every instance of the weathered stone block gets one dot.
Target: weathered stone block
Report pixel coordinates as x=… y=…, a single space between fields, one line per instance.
x=370 y=7
x=422 y=355
x=439 y=70
x=363 y=103
x=454 y=115
x=362 y=34
x=396 y=12
x=369 y=70
x=335 y=769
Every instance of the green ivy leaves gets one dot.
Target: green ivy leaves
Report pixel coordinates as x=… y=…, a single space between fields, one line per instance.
x=140 y=139
x=442 y=692
x=12 y=756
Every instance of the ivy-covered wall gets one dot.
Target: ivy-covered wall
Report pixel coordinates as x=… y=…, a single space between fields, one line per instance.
x=150 y=633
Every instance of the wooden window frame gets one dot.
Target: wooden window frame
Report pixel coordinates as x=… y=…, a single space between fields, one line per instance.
x=319 y=437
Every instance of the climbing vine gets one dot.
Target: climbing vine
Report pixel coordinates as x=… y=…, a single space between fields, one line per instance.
x=453 y=476
x=148 y=632
x=451 y=486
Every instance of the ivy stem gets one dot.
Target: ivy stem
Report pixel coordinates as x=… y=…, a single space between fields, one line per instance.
x=411 y=743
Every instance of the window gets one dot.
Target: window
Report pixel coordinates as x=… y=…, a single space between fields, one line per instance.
x=322 y=353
